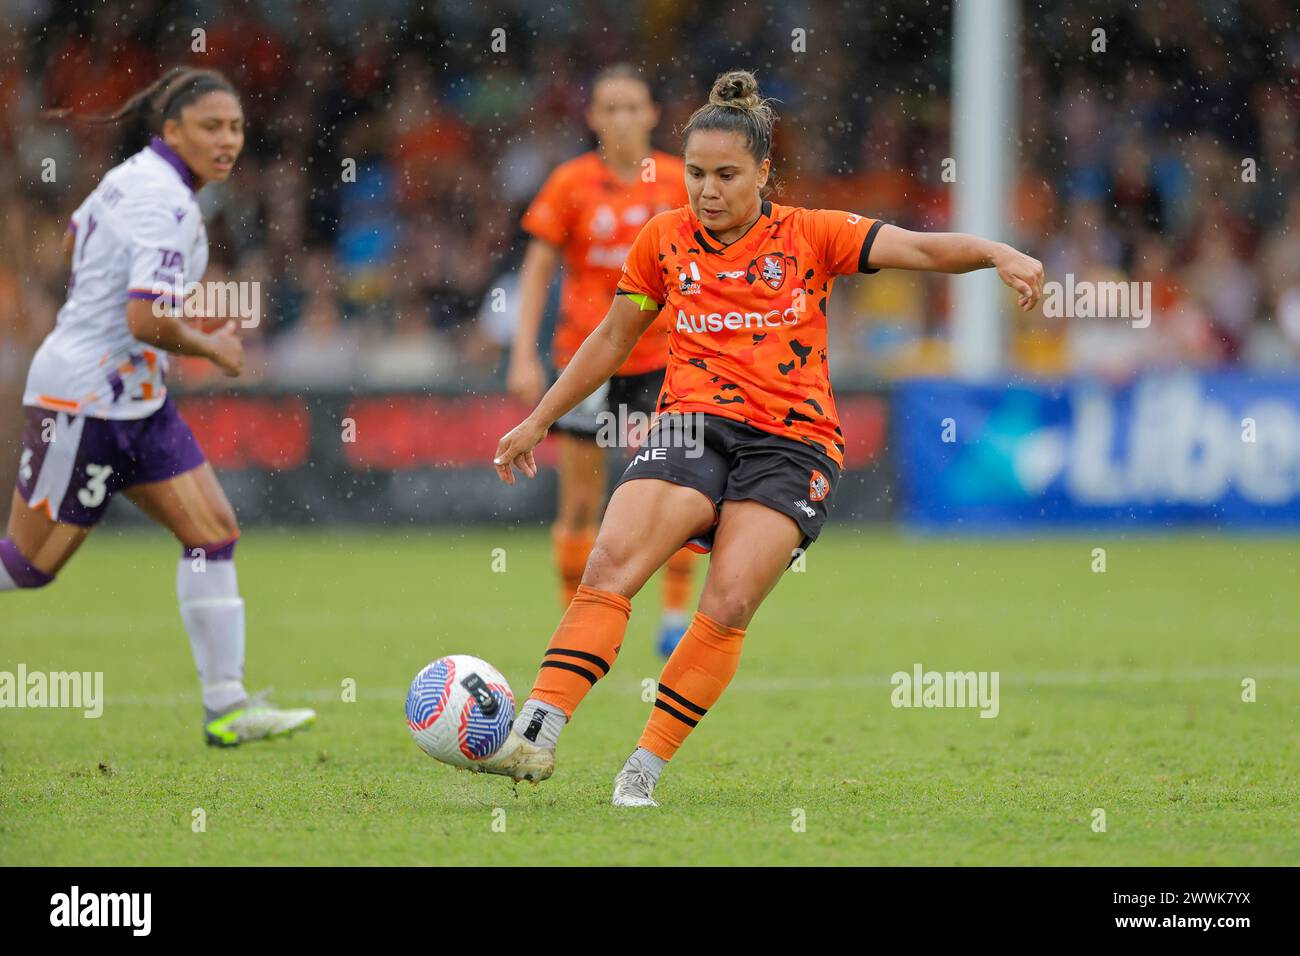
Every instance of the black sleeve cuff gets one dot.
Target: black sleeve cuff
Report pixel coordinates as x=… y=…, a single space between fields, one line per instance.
x=865 y=254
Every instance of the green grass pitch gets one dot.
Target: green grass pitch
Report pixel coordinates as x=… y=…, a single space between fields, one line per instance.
x=1120 y=691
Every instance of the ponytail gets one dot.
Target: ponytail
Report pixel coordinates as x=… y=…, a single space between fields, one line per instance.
x=161 y=100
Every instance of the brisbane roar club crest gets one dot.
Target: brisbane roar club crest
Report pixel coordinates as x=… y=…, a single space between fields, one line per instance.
x=818 y=486
x=772 y=268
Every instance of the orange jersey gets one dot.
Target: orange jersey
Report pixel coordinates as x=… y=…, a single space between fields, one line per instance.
x=593 y=217
x=747 y=321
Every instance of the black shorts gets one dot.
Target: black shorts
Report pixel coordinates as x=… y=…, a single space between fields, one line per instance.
x=727 y=460
x=638 y=393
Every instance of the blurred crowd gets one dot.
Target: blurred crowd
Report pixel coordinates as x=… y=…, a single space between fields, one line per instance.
x=391 y=151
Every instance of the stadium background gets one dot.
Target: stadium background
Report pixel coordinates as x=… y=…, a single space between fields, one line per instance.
x=376 y=300
x=1122 y=691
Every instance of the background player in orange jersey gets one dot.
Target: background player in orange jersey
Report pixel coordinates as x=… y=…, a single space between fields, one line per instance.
x=745 y=282
x=588 y=213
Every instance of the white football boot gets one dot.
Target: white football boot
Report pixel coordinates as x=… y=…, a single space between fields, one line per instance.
x=254 y=719
x=634 y=788
x=519 y=760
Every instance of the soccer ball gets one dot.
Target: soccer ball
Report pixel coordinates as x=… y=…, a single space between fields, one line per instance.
x=460 y=710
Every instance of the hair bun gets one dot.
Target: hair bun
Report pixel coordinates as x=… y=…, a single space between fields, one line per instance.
x=737 y=89
x=735 y=106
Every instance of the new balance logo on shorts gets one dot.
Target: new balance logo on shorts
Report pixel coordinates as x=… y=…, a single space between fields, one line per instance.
x=807 y=509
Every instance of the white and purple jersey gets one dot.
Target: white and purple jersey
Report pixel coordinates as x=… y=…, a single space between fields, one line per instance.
x=137 y=236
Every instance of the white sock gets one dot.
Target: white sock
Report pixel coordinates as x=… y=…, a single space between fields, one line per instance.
x=540 y=723
x=643 y=759
x=213 y=613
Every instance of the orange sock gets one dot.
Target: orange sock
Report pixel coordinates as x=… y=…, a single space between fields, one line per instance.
x=692 y=681
x=677 y=579
x=583 y=648
x=571 y=549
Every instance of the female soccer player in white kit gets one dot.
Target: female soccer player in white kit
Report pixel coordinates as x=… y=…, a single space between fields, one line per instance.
x=98 y=416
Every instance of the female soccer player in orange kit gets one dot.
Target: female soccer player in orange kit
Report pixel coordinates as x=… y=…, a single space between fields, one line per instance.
x=745 y=282
x=588 y=213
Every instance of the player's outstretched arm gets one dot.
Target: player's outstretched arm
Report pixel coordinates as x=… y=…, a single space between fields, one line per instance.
x=598 y=358
x=172 y=334
x=956 y=252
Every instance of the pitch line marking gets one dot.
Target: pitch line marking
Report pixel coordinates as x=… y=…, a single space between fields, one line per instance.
x=786 y=684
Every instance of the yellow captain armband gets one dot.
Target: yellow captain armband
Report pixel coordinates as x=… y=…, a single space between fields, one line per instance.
x=643 y=301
